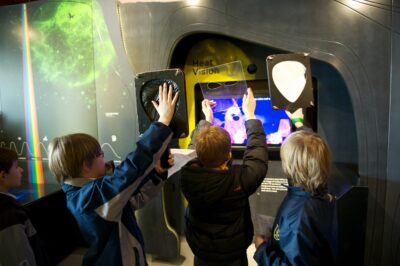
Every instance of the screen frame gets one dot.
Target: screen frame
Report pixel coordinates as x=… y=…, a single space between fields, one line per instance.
x=260 y=89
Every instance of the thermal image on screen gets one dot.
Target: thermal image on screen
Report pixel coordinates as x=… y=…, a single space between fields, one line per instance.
x=230 y=116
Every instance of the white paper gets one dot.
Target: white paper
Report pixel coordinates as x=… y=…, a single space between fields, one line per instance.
x=181 y=158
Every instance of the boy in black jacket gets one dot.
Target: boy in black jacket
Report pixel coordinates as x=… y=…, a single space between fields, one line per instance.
x=19 y=243
x=218 y=224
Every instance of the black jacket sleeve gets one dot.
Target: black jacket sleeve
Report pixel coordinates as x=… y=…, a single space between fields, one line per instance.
x=255 y=158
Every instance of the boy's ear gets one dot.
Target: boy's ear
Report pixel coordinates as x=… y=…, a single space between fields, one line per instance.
x=85 y=167
x=2 y=175
x=230 y=155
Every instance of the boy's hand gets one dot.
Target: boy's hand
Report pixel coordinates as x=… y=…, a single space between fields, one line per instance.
x=297 y=117
x=249 y=105
x=259 y=239
x=207 y=106
x=160 y=169
x=110 y=167
x=166 y=104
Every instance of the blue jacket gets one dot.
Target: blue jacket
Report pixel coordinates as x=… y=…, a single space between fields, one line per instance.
x=104 y=208
x=304 y=231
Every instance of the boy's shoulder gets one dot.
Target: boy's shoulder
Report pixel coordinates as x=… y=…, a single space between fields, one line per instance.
x=7 y=200
x=11 y=212
x=300 y=208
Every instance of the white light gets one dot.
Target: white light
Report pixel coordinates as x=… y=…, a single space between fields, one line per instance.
x=289 y=78
x=193 y=2
x=147 y=1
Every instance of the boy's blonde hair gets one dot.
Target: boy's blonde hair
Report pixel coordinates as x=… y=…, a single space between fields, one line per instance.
x=306 y=159
x=213 y=145
x=68 y=153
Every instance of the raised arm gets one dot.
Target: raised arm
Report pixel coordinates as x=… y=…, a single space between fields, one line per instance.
x=297 y=118
x=114 y=191
x=207 y=108
x=151 y=186
x=249 y=105
x=255 y=159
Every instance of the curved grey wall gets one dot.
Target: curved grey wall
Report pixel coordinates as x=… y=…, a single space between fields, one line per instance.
x=359 y=39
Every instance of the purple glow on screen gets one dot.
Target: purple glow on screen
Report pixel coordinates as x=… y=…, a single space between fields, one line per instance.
x=230 y=116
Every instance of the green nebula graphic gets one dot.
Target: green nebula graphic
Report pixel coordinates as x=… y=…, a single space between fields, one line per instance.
x=71 y=46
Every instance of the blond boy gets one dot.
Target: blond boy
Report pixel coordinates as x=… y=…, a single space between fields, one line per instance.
x=304 y=231
x=104 y=205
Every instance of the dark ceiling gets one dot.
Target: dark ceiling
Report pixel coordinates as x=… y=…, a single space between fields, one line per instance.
x=14 y=2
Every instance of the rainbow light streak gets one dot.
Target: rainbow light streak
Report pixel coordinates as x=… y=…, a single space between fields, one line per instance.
x=34 y=157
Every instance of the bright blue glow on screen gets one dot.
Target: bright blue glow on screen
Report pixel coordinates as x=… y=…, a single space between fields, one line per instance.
x=229 y=115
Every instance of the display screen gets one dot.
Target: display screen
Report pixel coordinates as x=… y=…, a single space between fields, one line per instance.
x=230 y=116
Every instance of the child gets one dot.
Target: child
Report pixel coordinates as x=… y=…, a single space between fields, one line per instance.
x=304 y=230
x=104 y=206
x=218 y=224
x=19 y=243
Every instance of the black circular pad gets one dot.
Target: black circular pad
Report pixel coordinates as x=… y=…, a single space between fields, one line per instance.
x=150 y=93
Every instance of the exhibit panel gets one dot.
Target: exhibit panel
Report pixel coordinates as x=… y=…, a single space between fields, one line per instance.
x=351 y=66
x=70 y=66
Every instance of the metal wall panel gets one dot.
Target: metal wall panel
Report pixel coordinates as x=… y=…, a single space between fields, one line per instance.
x=353 y=37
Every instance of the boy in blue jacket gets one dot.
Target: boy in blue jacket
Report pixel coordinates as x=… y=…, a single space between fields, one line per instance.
x=304 y=231
x=104 y=205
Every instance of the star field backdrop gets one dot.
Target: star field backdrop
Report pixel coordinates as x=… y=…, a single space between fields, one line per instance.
x=60 y=73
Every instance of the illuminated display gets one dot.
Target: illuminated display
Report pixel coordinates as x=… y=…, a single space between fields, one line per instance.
x=230 y=116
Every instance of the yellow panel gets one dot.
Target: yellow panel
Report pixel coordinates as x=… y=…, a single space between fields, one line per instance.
x=205 y=54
